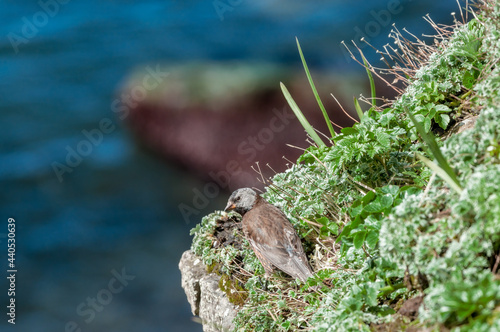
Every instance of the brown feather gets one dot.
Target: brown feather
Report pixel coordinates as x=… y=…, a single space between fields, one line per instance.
x=274 y=240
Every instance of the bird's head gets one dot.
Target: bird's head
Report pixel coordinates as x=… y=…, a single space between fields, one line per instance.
x=241 y=200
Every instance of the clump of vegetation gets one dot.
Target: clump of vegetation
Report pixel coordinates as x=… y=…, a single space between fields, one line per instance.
x=395 y=240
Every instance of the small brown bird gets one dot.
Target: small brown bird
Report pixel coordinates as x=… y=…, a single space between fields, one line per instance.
x=271 y=235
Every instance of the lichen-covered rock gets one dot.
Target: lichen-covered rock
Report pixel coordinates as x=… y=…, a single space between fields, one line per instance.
x=216 y=312
x=192 y=270
x=204 y=295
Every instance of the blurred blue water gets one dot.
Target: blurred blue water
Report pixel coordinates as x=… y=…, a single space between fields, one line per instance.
x=118 y=208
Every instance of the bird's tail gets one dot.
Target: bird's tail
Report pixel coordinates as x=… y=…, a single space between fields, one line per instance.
x=303 y=271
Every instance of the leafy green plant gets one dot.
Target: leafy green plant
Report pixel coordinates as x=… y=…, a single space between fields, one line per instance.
x=367 y=214
x=469 y=300
x=378 y=227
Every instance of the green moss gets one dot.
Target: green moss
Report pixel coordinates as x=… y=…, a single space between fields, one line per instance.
x=235 y=292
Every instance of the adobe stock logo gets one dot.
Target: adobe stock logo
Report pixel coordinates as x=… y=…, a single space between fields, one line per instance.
x=225 y=6
x=92 y=306
x=31 y=26
x=373 y=28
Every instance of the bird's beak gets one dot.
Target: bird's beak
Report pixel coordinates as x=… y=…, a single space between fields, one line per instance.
x=230 y=206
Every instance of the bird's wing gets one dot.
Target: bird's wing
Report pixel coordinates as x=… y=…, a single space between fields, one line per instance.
x=271 y=234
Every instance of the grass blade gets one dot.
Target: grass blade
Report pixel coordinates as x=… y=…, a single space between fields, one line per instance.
x=370 y=77
x=298 y=113
x=358 y=109
x=313 y=87
x=441 y=172
x=436 y=152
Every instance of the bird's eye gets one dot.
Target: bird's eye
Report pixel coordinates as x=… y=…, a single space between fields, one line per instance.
x=237 y=199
